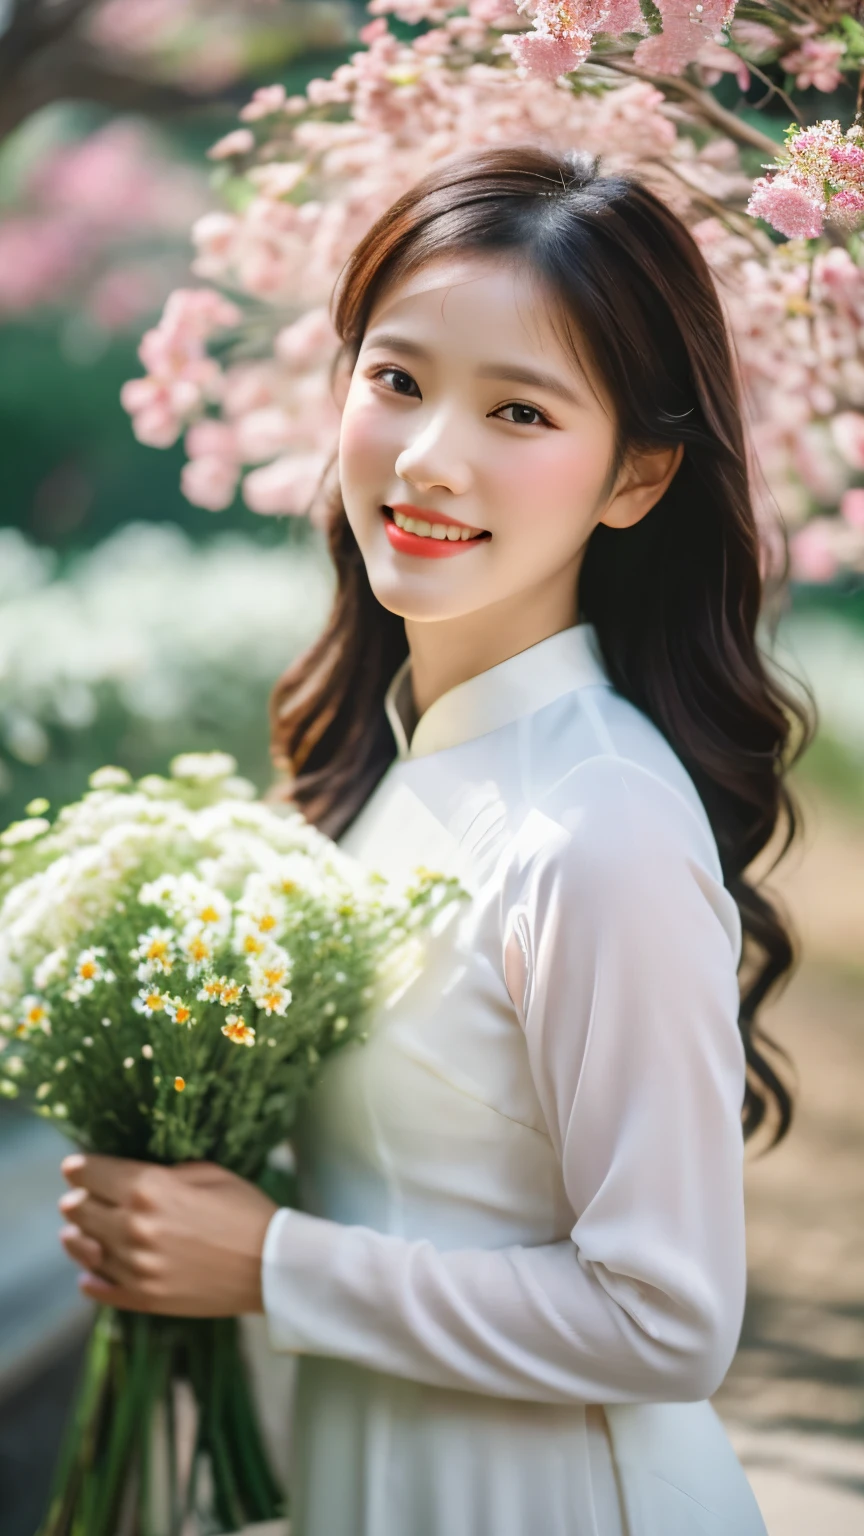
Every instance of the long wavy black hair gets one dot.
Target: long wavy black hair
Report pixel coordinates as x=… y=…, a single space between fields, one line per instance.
x=675 y=599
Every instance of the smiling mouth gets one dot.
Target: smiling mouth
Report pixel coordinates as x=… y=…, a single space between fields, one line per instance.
x=430 y=535
x=434 y=526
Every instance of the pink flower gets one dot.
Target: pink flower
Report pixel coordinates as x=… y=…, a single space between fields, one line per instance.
x=139 y=394
x=210 y=439
x=265 y=101
x=157 y=427
x=288 y=485
x=815 y=63
x=754 y=38
x=852 y=507
x=548 y=57
x=685 y=31
x=121 y=296
x=847 y=157
x=240 y=142
x=812 y=550
x=279 y=178
x=624 y=16
x=846 y=207
x=715 y=62
x=491 y=11
x=38 y=256
x=308 y=342
x=847 y=430
x=788 y=207
x=210 y=482
x=262 y=434
x=373 y=30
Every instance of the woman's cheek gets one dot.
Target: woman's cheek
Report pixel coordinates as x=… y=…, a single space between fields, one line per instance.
x=546 y=504
x=367 y=454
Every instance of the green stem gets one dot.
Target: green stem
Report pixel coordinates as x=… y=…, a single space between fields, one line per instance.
x=132 y=1363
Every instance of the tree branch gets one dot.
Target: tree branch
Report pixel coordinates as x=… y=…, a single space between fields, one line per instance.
x=35 y=28
x=83 y=74
x=704 y=104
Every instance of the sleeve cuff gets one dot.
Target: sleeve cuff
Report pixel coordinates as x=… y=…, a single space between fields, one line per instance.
x=296 y=1258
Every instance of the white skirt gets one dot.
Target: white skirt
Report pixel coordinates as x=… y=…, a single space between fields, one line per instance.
x=374 y=1455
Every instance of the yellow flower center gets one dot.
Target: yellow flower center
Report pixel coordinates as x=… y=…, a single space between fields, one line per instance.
x=179 y=1084
x=198 y=949
x=154 y=1001
x=87 y=970
x=182 y=1015
x=239 y=1032
x=209 y=914
x=267 y=922
x=252 y=944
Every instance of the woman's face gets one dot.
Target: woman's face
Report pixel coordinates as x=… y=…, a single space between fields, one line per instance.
x=474 y=453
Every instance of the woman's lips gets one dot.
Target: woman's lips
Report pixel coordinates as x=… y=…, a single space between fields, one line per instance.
x=438 y=537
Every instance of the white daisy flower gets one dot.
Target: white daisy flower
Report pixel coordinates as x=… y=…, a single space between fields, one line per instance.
x=203 y=767
x=24 y=831
x=270 y=969
x=273 y=1000
x=155 y=950
x=150 y=1000
x=109 y=778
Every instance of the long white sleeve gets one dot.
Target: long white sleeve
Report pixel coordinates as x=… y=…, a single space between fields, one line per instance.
x=619 y=944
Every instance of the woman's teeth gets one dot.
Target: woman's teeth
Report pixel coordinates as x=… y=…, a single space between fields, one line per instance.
x=426 y=530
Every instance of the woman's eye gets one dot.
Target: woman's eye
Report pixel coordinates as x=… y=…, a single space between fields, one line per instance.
x=402 y=384
x=526 y=415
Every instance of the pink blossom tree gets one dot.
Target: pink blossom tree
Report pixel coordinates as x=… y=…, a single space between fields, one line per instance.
x=98 y=221
x=240 y=366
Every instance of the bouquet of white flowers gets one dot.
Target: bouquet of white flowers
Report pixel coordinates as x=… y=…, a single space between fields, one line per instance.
x=176 y=960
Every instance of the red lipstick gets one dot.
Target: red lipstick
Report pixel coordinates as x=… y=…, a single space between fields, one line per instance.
x=422 y=545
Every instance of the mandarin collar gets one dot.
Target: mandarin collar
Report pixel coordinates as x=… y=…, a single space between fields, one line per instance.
x=521 y=685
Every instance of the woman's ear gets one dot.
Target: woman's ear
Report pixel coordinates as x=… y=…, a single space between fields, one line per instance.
x=643 y=480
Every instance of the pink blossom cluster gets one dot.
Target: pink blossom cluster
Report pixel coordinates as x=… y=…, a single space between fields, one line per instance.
x=799 y=336
x=312 y=203
x=181 y=376
x=321 y=167
x=81 y=213
x=821 y=176
x=816 y=63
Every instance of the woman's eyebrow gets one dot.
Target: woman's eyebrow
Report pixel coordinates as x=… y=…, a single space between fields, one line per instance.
x=514 y=373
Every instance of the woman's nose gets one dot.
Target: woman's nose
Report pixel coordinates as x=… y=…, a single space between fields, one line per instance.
x=434 y=458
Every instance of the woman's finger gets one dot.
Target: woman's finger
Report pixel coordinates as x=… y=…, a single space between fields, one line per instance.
x=110 y=1294
x=82 y=1250
x=94 y=1217
x=111 y=1179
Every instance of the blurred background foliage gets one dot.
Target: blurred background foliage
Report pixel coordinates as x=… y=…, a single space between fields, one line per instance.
x=132 y=624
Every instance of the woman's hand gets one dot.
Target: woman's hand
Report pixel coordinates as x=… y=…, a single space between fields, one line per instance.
x=182 y=1241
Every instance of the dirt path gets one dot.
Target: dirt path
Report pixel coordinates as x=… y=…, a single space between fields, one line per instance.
x=794 y=1399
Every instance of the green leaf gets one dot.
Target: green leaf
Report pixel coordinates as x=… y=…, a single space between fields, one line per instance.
x=854 y=37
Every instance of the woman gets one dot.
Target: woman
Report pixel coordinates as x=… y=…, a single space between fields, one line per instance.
x=519 y=1273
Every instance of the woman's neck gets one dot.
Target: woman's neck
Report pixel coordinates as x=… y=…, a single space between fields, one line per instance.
x=447 y=652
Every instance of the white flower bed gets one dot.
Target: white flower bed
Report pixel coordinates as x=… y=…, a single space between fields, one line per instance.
x=148 y=624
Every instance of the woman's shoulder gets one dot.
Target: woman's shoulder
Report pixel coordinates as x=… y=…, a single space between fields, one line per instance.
x=605 y=783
